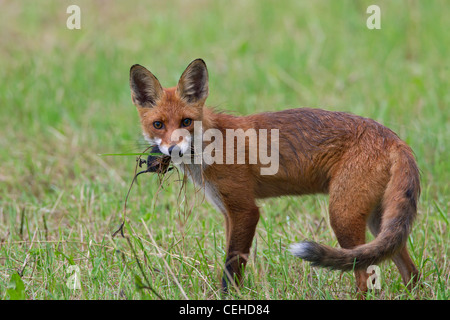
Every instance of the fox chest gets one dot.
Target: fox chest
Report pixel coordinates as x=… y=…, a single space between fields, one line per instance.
x=195 y=173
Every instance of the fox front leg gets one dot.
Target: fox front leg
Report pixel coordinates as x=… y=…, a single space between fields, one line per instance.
x=241 y=226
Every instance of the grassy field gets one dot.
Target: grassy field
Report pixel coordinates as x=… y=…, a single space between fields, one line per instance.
x=65 y=101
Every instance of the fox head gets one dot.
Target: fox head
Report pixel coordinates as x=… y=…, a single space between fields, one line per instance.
x=168 y=115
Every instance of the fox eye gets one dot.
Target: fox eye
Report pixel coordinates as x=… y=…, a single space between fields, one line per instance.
x=186 y=122
x=158 y=124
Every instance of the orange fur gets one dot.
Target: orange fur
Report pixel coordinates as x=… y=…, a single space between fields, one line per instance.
x=369 y=173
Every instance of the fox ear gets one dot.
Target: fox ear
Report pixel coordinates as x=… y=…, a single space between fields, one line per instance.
x=193 y=84
x=145 y=88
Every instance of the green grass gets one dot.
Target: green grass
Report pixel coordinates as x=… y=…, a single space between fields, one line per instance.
x=64 y=100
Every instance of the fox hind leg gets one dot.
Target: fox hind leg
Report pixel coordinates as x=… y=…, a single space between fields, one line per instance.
x=352 y=200
x=402 y=259
x=349 y=226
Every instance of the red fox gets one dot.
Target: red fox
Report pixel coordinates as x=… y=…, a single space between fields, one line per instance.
x=370 y=175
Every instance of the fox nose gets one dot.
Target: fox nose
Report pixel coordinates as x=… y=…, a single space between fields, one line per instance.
x=173 y=147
